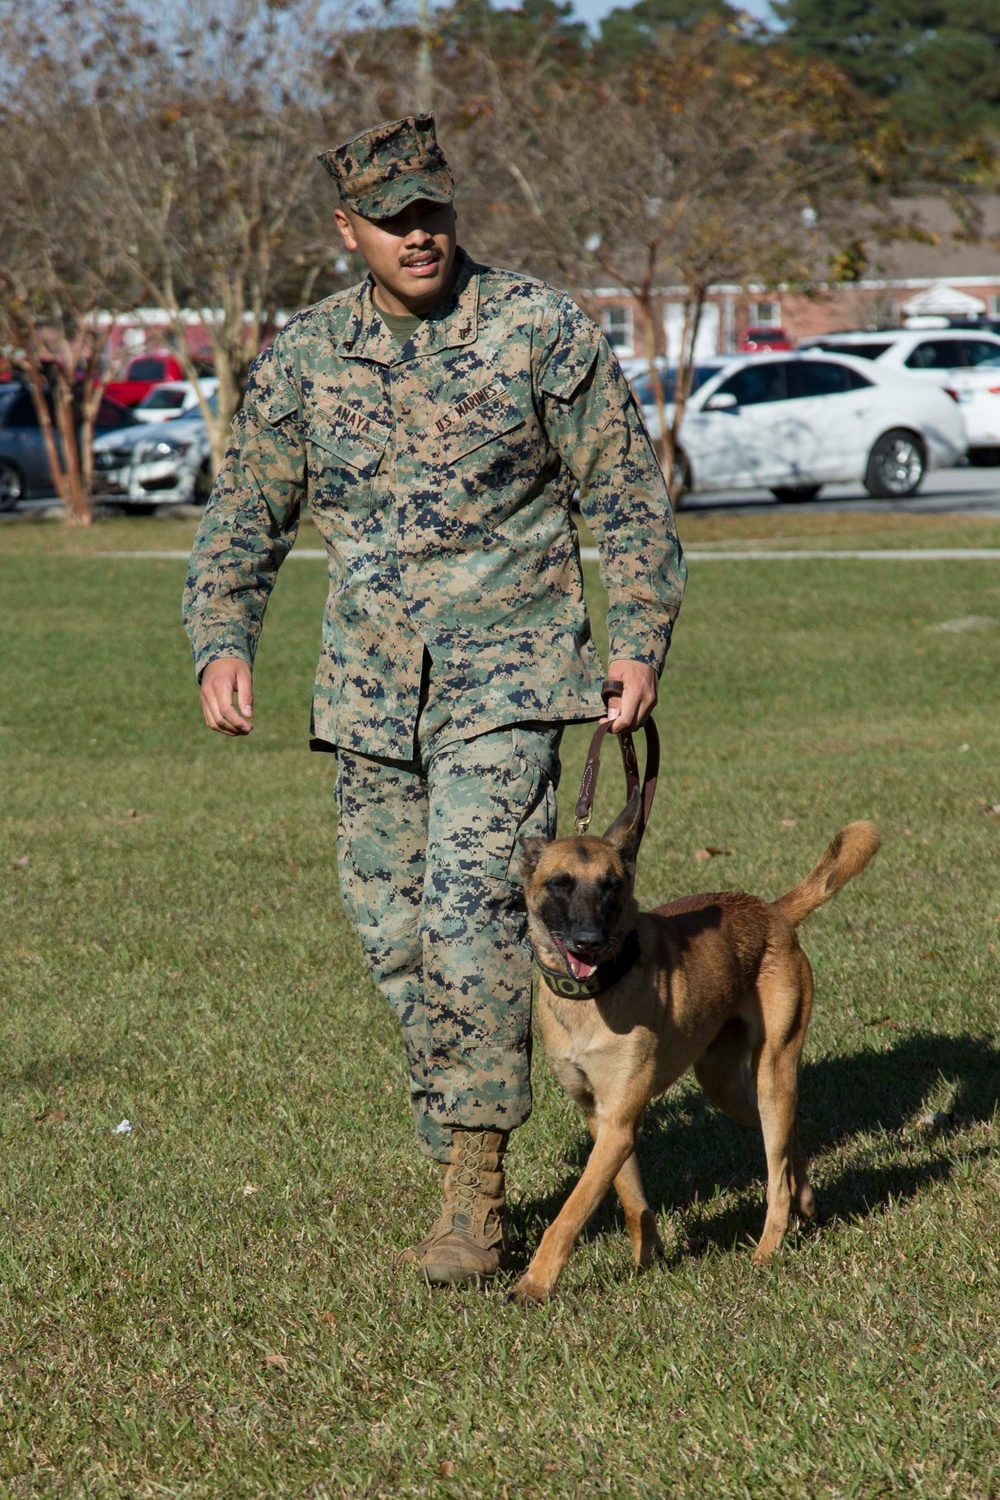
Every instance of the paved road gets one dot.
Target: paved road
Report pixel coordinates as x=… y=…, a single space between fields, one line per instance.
x=945 y=492
x=964 y=491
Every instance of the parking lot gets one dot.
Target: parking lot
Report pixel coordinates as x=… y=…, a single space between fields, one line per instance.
x=961 y=491
x=964 y=490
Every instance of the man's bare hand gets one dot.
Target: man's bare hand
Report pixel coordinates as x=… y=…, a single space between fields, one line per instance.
x=224 y=679
x=638 y=699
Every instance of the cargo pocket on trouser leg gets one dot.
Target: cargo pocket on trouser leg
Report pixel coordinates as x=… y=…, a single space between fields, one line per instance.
x=486 y=794
x=381 y=835
x=525 y=802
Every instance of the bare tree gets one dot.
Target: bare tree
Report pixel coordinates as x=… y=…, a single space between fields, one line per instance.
x=231 y=214
x=61 y=251
x=703 y=161
x=171 y=160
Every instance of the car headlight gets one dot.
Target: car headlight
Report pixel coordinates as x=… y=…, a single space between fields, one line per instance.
x=165 y=448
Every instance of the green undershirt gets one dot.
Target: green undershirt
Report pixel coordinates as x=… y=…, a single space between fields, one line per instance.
x=401 y=325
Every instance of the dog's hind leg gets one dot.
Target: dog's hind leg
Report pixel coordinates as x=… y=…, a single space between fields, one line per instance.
x=803 y=1202
x=785 y=1005
x=640 y=1221
x=725 y=1071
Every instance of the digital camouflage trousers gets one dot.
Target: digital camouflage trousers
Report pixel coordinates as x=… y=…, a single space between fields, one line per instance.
x=428 y=862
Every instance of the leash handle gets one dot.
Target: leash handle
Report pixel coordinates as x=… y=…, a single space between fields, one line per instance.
x=612 y=688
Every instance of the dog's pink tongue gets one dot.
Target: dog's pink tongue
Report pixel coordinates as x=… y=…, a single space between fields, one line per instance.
x=579 y=967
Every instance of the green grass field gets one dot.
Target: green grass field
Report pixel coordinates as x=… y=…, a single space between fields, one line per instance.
x=211 y=1306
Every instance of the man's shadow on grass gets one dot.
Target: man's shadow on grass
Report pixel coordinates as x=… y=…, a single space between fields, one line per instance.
x=690 y=1152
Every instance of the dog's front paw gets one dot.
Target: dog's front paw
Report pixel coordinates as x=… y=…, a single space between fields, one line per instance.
x=529 y=1292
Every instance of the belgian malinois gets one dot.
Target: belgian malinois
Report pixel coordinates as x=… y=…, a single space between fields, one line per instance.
x=629 y=1000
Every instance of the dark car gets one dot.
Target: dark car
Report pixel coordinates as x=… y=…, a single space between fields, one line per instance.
x=24 y=464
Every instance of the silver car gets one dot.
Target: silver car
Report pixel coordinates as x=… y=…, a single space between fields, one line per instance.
x=155 y=463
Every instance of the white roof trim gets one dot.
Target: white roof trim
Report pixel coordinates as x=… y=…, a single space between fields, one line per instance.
x=943 y=299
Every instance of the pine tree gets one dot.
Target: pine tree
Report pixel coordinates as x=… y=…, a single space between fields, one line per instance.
x=938 y=64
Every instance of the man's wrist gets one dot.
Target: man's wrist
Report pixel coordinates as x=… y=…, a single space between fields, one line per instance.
x=203 y=667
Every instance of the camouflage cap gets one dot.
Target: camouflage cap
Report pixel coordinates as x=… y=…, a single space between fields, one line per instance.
x=379 y=171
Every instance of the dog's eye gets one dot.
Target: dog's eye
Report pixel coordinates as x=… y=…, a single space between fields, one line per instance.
x=560 y=882
x=613 y=884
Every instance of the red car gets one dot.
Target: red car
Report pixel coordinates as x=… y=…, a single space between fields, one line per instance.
x=141 y=373
x=762 y=340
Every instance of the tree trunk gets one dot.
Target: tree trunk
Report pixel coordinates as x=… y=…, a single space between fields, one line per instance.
x=694 y=302
x=60 y=436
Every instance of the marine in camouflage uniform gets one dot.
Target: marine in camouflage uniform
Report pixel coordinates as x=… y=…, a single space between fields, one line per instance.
x=439 y=456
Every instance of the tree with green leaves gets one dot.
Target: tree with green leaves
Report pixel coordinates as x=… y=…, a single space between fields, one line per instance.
x=936 y=62
x=630 y=32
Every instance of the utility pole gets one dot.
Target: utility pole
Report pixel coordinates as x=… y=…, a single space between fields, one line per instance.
x=425 y=69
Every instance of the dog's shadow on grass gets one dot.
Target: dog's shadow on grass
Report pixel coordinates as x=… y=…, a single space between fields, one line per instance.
x=690 y=1153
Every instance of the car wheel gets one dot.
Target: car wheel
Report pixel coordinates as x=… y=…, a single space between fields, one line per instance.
x=795 y=492
x=11 y=485
x=896 y=465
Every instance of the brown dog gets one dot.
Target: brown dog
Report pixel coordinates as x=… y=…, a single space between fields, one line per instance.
x=628 y=1001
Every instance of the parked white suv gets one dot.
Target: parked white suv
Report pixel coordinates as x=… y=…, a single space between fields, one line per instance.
x=174 y=398
x=792 y=422
x=949 y=357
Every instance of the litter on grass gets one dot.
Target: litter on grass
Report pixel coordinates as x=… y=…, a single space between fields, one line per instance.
x=125 y=1128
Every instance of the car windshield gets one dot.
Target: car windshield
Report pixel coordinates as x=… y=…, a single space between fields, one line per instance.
x=194 y=414
x=161 y=399
x=145 y=369
x=644 y=388
x=192 y=417
x=874 y=350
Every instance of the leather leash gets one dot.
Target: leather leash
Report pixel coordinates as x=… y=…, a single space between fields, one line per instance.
x=588 y=785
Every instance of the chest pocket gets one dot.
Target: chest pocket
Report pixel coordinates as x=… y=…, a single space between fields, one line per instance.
x=343 y=436
x=472 y=423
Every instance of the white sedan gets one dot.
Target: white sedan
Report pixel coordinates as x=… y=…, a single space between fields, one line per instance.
x=793 y=422
x=154 y=464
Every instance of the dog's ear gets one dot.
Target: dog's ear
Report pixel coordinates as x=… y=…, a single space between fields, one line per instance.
x=626 y=831
x=531 y=850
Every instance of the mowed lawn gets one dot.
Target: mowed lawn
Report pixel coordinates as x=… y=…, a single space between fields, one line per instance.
x=211 y=1305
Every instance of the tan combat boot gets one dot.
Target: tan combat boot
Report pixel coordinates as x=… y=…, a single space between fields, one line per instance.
x=469 y=1240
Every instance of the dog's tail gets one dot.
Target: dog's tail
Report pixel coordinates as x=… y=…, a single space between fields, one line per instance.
x=851 y=851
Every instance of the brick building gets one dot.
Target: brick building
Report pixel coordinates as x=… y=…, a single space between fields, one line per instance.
x=147 y=330
x=946 y=274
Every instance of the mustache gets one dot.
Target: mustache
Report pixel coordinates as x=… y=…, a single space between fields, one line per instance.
x=416 y=255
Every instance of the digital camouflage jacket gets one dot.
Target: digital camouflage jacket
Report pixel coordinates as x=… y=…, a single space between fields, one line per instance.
x=440 y=476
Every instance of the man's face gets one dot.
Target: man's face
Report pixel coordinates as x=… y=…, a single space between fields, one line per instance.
x=410 y=256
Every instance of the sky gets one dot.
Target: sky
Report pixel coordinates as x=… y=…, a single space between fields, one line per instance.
x=591 y=11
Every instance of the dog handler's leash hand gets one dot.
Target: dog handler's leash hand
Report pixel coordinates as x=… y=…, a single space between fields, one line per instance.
x=585 y=804
x=631 y=706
